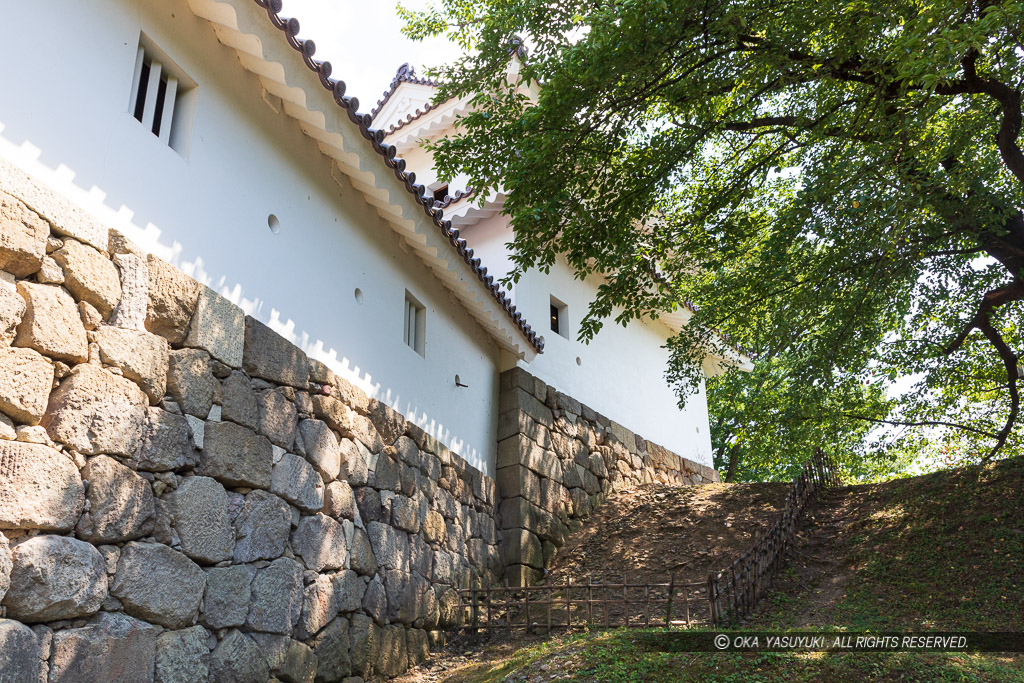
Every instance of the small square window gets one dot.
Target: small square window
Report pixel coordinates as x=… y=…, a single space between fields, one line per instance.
x=440 y=193
x=415 y=324
x=559 y=318
x=163 y=97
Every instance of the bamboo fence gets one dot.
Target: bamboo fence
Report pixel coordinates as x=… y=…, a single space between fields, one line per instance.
x=724 y=599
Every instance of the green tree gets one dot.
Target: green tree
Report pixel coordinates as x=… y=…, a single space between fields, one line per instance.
x=763 y=424
x=846 y=173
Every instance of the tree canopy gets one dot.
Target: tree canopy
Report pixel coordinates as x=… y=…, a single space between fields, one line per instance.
x=836 y=184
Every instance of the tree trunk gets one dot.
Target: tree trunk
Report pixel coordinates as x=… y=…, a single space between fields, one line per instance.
x=734 y=461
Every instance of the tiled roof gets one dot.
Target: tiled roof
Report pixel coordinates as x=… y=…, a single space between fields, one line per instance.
x=405 y=74
x=388 y=153
x=428 y=107
x=451 y=199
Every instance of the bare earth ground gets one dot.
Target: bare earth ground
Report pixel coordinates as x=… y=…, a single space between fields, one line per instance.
x=653 y=532
x=649 y=533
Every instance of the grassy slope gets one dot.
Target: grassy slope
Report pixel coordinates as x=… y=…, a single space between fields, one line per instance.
x=940 y=552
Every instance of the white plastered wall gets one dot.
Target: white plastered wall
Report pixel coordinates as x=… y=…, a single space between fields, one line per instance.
x=621 y=372
x=64 y=118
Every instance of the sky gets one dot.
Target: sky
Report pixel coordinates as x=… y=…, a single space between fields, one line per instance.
x=363 y=42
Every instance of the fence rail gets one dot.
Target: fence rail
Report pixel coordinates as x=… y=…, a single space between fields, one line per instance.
x=723 y=599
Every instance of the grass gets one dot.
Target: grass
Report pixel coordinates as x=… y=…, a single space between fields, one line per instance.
x=940 y=552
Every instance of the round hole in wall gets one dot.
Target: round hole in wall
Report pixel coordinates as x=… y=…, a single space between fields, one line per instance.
x=275 y=225
x=578 y=361
x=359 y=296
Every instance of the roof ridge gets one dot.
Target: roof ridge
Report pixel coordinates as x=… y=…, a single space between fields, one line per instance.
x=290 y=27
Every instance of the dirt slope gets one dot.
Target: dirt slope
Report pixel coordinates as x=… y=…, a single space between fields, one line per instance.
x=654 y=531
x=940 y=552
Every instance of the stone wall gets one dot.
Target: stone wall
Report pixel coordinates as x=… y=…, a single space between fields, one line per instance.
x=557 y=461
x=185 y=496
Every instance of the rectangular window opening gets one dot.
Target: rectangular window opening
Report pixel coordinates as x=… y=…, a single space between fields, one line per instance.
x=163 y=97
x=559 y=317
x=440 y=193
x=415 y=324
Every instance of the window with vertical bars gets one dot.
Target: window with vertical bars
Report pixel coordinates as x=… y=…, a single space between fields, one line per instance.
x=163 y=97
x=415 y=324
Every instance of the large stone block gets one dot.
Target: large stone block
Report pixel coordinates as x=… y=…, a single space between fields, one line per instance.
x=320 y=542
x=390 y=546
x=522 y=451
x=20 y=658
x=521 y=401
x=270 y=356
x=141 y=356
x=516 y=480
x=262 y=527
x=319 y=606
x=296 y=481
x=339 y=502
x=277 y=418
x=331 y=647
x=364 y=636
x=238 y=401
x=6 y=564
x=199 y=507
x=40 y=488
x=237 y=456
x=190 y=381
x=23 y=236
x=172 y=300
x=387 y=476
x=238 y=659
x=51 y=324
x=321 y=447
x=165 y=443
x=522 y=547
x=349 y=589
x=89 y=275
x=226 y=600
x=393 y=655
x=276 y=602
x=521 y=575
x=181 y=656
x=361 y=557
x=289 y=660
x=419 y=647
x=120 y=503
x=114 y=647
x=218 y=326
x=130 y=311
x=375 y=601
x=355 y=463
x=26 y=378
x=434 y=527
x=369 y=504
x=388 y=422
x=158 y=584
x=55 y=577
x=94 y=411
x=12 y=308
x=522 y=514
x=405 y=514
